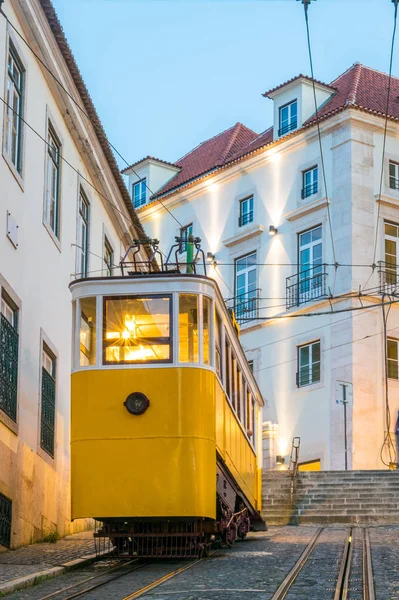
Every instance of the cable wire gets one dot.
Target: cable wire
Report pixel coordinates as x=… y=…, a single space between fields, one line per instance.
x=306 y=6
x=96 y=126
x=386 y=126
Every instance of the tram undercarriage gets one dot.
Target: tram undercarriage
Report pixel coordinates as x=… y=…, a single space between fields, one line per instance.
x=183 y=538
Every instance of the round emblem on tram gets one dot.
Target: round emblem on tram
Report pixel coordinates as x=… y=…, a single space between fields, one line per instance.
x=137 y=403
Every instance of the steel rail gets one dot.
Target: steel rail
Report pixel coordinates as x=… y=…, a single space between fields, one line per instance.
x=97 y=585
x=341 y=589
x=285 y=586
x=368 y=580
x=165 y=578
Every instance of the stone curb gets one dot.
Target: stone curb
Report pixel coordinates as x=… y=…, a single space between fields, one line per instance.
x=22 y=583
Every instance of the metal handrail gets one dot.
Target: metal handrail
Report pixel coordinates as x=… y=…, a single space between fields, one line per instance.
x=294 y=457
x=246 y=218
x=245 y=306
x=389 y=277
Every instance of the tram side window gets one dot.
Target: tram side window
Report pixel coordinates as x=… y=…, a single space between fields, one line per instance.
x=239 y=393
x=227 y=359
x=249 y=424
x=188 y=328
x=234 y=394
x=87 y=337
x=218 y=344
x=206 y=310
x=137 y=330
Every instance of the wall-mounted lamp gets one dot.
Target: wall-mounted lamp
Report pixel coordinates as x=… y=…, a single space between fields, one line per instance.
x=272 y=230
x=211 y=259
x=280 y=460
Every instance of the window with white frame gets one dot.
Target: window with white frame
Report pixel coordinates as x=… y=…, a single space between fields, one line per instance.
x=288 y=117
x=185 y=234
x=308 y=364
x=246 y=211
x=139 y=192
x=9 y=345
x=48 y=394
x=393 y=175
x=391 y=244
x=108 y=257
x=83 y=235
x=246 y=298
x=392 y=358
x=52 y=197
x=13 y=109
x=310 y=182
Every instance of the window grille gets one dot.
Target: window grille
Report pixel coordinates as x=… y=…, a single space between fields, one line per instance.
x=47 y=429
x=5 y=521
x=8 y=367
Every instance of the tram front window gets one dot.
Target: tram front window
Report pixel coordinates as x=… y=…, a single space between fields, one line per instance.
x=137 y=330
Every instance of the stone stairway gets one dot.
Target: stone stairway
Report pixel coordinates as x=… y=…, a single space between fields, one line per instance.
x=326 y=497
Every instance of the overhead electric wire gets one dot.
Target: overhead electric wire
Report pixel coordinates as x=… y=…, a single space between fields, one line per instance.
x=386 y=125
x=83 y=111
x=306 y=6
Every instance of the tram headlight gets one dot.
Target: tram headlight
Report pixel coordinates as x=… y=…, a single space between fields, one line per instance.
x=137 y=403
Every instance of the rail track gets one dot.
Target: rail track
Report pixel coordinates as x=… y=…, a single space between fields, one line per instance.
x=343 y=581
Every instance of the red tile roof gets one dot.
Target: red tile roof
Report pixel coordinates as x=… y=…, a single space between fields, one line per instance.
x=148 y=157
x=300 y=76
x=359 y=87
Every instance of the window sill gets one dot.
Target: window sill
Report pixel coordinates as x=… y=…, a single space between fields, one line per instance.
x=16 y=174
x=8 y=422
x=306 y=208
x=388 y=199
x=244 y=233
x=53 y=236
x=46 y=457
x=305 y=389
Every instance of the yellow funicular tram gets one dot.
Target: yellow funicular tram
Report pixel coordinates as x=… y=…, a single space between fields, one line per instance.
x=166 y=413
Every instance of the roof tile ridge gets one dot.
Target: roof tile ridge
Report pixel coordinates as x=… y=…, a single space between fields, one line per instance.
x=378 y=71
x=225 y=152
x=261 y=134
x=355 y=64
x=351 y=99
x=202 y=143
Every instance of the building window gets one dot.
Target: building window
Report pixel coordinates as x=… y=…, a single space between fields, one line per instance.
x=251 y=365
x=310 y=182
x=392 y=358
x=8 y=357
x=393 y=175
x=246 y=211
x=14 y=107
x=139 y=193
x=108 y=257
x=52 y=199
x=47 y=421
x=288 y=117
x=308 y=364
x=310 y=263
x=247 y=294
x=5 y=521
x=83 y=235
x=391 y=243
x=185 y=234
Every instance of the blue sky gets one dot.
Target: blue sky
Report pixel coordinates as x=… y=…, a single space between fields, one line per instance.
x=166 y=75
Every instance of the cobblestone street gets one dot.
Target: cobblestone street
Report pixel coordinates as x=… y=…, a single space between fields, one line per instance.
x=252 y=569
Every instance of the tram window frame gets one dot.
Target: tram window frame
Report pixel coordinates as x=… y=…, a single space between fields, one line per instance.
x=228 y=372
x=218 y=337
x=207 y=358
x=107 y=363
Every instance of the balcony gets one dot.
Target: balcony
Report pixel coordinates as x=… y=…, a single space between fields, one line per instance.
x=286 y=128
x=389 y=278
x=393 y=183
x=309 y=190
x=246 y=306
x=306 y=286
x=246 y=218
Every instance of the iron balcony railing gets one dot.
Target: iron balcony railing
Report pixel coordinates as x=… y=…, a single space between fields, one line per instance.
x=47 y=431
x=245 y=306
x=393 y=183
x=306 y=286
x=389 y=277
x=8 y=368
x=245 y=218
x=308 y=375
x=309 y=190
x=5 y=520
x=286 y=128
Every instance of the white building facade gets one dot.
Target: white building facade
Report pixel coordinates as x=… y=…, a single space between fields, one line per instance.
x=64 y=212
x=293 y=251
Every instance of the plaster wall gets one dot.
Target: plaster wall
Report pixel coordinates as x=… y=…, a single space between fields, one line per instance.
x=36 y=276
